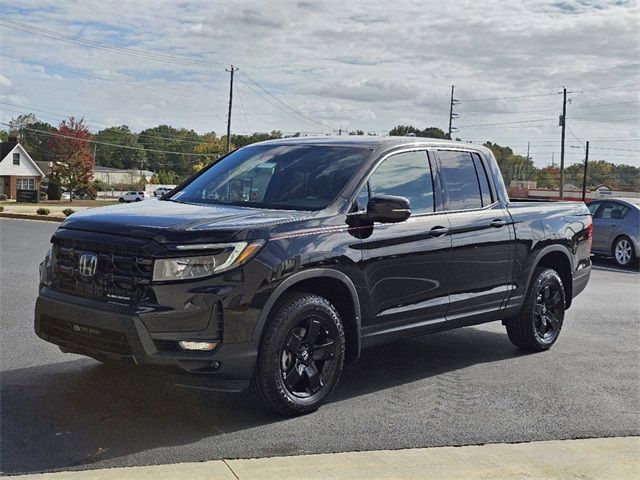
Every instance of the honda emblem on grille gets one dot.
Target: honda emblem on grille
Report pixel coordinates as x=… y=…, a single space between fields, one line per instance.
x=88 y=264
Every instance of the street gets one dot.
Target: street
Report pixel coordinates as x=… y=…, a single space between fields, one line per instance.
x=468 y=386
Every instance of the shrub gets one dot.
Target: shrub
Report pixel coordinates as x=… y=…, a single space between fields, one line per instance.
x=3 y=197
x=55 y=190
x=68 y=211
x=100 y=186
x=1 y=208
x=43 y=211
x=86 y=192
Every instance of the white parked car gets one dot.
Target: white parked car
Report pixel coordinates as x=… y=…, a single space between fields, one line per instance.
x=132 y=197
x=160 y=191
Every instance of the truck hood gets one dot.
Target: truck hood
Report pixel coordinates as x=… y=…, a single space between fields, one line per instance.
x=172 y=222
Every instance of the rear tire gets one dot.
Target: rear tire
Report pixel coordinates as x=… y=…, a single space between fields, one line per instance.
x=301 y=355
x=537 y=326
x=121 y=200
x=623 y=252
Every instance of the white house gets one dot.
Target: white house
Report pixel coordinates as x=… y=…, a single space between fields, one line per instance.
x=18 y=171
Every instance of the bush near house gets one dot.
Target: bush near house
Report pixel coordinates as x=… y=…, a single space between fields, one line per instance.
x=3 y=197
x=55 y=190
x=43 y=211
x=68 y=211
x=1 y=208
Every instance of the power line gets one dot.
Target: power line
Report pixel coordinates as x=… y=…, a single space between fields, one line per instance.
x=64 y=116
x=105 y=79
x=285 y=105
x=53 y=35
x=111 y=144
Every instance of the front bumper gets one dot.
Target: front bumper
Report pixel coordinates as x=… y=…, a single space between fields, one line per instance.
x=113 y=333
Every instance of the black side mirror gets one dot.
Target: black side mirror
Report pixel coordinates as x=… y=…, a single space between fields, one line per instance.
x=388 y=209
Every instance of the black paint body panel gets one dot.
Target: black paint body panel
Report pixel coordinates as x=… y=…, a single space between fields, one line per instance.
x=397 y=279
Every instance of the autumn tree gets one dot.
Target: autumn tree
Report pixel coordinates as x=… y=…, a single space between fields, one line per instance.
x=72 y=158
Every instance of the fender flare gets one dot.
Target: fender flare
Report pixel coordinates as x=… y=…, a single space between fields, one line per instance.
x=306 y=275
x=550 y=249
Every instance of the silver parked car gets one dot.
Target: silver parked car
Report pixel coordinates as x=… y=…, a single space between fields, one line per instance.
x=616 y=230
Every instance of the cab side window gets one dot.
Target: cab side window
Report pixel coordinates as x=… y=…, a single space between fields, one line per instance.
x=406 y=175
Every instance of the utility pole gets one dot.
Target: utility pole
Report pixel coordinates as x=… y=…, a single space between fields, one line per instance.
x=528 y=159
x=563 y=124
x=584 y=176
x=230 y=103
x=451 y=114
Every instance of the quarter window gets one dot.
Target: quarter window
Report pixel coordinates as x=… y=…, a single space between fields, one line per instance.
x=483 y=180
x=460 y=180
x=405 y=175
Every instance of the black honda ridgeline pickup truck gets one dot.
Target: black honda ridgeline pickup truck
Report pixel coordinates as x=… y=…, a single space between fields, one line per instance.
x=278 y=264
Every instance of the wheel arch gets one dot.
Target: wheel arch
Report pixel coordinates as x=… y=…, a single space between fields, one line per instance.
x=558 y=259
x=331 y=284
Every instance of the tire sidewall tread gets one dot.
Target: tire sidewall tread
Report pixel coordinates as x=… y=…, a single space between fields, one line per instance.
x=267 y=383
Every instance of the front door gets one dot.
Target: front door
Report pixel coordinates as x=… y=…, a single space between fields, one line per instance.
x=405 y=264
x=481 y=236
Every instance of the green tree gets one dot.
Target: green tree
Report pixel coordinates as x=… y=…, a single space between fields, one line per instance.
x=548 y=177
x=429 y=132
x=240 y=141
x=34 y=136
x=172 y=146
x=118 y=157
x=512 y=166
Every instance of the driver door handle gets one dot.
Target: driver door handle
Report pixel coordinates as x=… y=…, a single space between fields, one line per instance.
x=497 y=223
x=438 y=231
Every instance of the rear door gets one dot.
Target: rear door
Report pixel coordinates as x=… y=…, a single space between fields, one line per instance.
x=481 y=235
x=405 y=264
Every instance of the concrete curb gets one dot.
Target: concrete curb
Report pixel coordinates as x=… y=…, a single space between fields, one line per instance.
x=24 y=216
x=598 y=458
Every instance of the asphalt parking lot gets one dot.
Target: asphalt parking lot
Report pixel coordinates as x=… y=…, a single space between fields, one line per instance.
x=470 y=386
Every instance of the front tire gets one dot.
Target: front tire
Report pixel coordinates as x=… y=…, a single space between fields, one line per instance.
x=537 y=326
x=301 y=355
x=623 y=252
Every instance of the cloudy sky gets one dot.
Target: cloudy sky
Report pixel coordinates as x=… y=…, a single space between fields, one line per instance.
x=321 y=66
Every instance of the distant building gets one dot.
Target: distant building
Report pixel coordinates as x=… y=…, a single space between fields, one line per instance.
x=18 y=171
x=113 y=176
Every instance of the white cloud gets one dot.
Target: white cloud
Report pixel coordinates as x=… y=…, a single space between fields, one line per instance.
x=359 y=64
x=4 y=81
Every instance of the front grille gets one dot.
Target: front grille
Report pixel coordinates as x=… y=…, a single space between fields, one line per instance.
x=94 y=338
x=122 y=273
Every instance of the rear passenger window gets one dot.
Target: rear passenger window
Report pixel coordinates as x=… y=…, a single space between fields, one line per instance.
x=483 y=180
x=405 y=175
x=611 y=210
x=460 y=180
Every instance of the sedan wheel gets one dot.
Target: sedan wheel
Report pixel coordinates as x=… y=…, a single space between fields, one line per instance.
x=623 y=252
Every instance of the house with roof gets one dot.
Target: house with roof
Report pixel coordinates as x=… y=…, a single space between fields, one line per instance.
x=18 y=171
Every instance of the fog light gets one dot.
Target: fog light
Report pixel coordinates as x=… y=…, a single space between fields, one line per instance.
x=187 y=345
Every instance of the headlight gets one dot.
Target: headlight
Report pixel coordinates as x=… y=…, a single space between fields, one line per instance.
x=222 y=257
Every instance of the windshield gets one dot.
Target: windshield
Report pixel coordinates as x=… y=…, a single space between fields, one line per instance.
x=299 y=177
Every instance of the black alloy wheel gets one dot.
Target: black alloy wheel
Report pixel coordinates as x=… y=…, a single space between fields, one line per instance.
x=301 y=355
x=307 y=356
x=538 y=324
x=546 y=309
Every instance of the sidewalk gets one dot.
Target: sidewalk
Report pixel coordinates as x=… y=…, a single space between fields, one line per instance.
x=605 y=458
